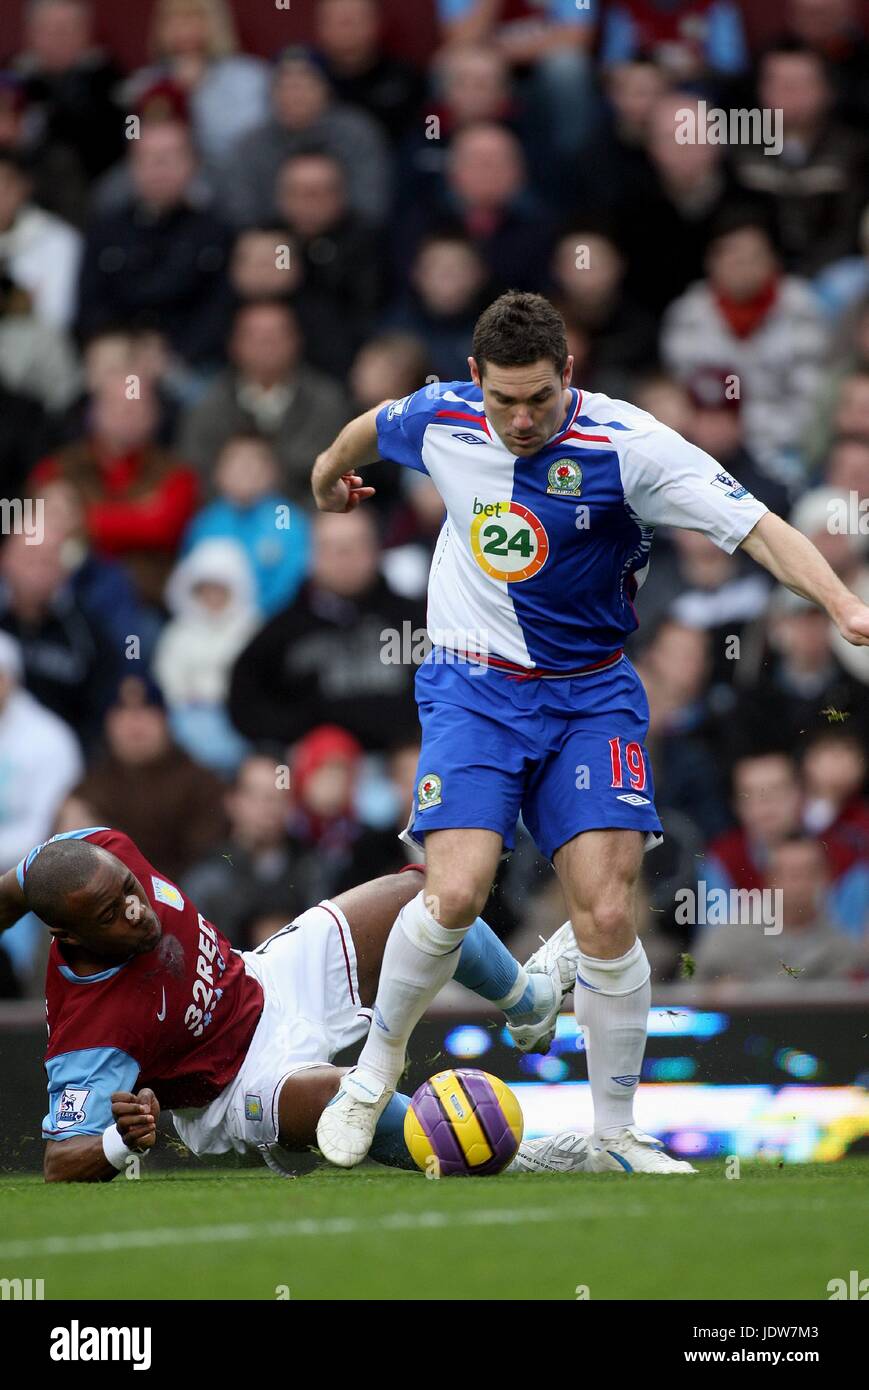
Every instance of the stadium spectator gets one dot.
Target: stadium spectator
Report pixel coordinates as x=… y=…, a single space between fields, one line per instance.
x=588 y=274
x=35 y=357
x=446 y=294
x=470 y=85
x=40 y=251
x=159 y=261
x=212 y=602
x=348 y=34
x=70 y=663
x=767 y=803
x=761 y=327
x=833 y=29
x=700 y=586
x=691 y=39
x=673 y=199
x=100 y=585
x=40 y=760
x=798 y=684
x=269 y=389
x=340 y=251
x=489 y=193
x=25 y=433
x=547 y=47
x=716 y=425
x=138 y=499
x=267 y=264
x=304 y=114
x=194 y=44
x=148 y=787
x=379 y=850
x=249 y=510
x=323 y=659
x=808 y=947
x=241 y=879
x=675 y=666
x=70 y=86
x=323 y=825
x=835 y=765
x=389 y=366
x=815 y=188
x=632 y=90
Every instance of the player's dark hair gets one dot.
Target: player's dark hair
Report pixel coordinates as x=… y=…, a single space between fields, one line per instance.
x=62 y=867
x=518 y=330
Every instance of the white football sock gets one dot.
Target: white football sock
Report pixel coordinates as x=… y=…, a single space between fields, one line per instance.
x=420 y=958
x=611 y=1002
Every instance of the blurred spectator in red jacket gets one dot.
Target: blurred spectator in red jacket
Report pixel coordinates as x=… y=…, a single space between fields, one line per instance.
x=138 y=499
x=323 y=825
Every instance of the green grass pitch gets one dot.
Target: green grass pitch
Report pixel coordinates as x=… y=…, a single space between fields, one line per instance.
x=775 y=1232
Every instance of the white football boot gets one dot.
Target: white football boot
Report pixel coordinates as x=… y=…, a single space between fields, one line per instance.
x=566 y=1152
x=632 y=1151
x=558 y=958
x=345 y=1131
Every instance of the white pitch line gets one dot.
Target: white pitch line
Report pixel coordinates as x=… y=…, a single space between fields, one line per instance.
x=280 y=1230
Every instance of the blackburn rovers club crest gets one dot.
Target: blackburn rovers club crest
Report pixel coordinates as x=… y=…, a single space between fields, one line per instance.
x=565 y=478
x=428 y=793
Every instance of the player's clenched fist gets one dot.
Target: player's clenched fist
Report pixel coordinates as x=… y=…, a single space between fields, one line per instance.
x=136 y=1117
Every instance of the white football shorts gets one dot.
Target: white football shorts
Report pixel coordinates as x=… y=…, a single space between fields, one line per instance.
x=311 y=1011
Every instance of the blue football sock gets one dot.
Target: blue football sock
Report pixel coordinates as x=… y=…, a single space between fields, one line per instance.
x=389 y=1146
x=487 y=967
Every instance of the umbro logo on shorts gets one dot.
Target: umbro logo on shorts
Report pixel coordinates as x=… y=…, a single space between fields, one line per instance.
x=633 y=799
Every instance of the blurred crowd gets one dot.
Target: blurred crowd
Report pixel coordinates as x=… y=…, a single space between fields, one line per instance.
x=210 y=263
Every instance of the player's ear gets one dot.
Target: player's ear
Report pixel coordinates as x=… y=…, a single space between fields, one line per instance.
x=567 y=375
x=476 y=378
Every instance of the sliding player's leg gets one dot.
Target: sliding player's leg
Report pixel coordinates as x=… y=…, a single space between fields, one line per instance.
x=421 y=956
x=599 y=873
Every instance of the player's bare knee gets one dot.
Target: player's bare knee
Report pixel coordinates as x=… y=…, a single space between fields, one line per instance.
x=457 y=905
x=611 y=918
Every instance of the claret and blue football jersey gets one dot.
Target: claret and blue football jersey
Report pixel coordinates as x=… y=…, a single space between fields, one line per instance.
x=178 y=1018
x=543 y=555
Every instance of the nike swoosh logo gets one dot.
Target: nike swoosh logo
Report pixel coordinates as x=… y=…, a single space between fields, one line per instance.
x=161 y=1016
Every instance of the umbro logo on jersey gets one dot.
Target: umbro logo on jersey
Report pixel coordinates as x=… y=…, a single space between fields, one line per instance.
x=469 y=438
x=633 y=799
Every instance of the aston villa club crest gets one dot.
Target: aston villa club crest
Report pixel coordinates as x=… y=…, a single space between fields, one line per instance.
x=428 y=793
x=565 y=478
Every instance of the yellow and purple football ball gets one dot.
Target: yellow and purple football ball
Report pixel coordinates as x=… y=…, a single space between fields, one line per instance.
x=463 y=1122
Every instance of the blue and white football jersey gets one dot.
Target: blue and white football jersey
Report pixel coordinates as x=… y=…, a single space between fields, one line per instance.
x=540 y=558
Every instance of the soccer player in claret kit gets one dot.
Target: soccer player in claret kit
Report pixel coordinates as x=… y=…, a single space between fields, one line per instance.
x=527 y=702
x=149 y=1006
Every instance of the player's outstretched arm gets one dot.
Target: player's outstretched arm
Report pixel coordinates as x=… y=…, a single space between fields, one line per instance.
x=335 y=482
x=82 y=1158
x=792 y=559
x=12 y=904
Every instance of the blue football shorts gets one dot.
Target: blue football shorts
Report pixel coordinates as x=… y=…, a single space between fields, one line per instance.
x=568 y=755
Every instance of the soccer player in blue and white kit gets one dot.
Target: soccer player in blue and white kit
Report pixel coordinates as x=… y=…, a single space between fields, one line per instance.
x=527 y=702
